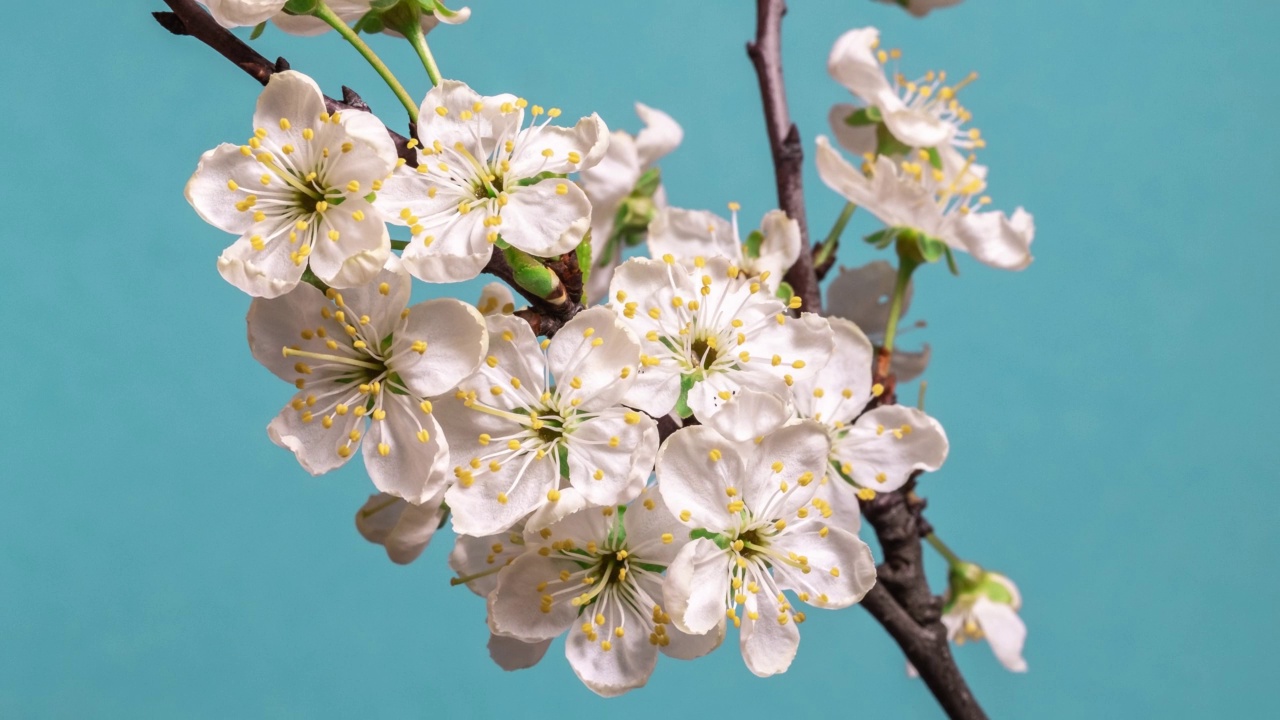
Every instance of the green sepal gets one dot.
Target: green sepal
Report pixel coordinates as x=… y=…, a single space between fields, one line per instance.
x=887 y=144
x=785 y=291
x=721 y=541
x=301 y=7
x=562 y=453
x=682 y=403
x=445 y=511
x=931 y=248
x=648 y=183
x=311 y=279
x=370 y=23
x=257 y=31
x=370 y=197
x=935 y=158
x=754 y=240
x=869 y=115
x=951 y=262
x=539 y=178
x=882 y=239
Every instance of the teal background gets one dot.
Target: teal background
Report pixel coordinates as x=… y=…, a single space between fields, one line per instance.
x=1111 y=409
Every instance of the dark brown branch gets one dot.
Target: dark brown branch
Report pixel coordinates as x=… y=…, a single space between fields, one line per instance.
x=784 y=142
x=545 y=317
x=901 y=600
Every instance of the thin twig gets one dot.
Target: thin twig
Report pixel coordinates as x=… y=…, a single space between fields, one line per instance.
x=784 y=142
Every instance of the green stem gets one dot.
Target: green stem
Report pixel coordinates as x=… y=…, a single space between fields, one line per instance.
x=952 y=559
x=828 y=245
x=417 y=38
x=323 y=12
x=905 y=268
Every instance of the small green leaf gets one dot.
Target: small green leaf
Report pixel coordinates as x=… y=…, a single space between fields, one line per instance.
x=869 y=115
x=887 y=144
x=754 y=240
x=648 y=183
x=785 y=291
x=257 y=31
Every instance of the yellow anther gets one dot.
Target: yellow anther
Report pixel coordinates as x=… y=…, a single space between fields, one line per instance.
x=715 y=456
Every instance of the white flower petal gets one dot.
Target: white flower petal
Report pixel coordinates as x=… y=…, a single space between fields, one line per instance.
x=496 y=299
x=242 y=13
x=267 y=273
x=462 y=123
x=769 y=642
x=315 y=446
x=842 y=569
x=304 y=25
x=551 y=148
x=629 y=660
x=361 y=247
x=405 y=453
x=377 y=313
x=454 y=341
x=655 y=390
x=548 y=218
x=917 y=128
x=996 y=239
x=523 y=480
x=513 y=654
x=890 y=442
x=514 y=606
x=780 y=247
x=594 y=359
x=686 y=234
x=660 y=135
x=853 y=63
x=648 y=523
x=209 y=189
x=479 y=558
x=696 y=585
x=696 y=467
x=278 y=323
x=289 y=95
x=843 y=388
x=857 y=139
x=795 y=454
x=750 y=414
x=1004 y=630
x=402 y=528
x=608 y=472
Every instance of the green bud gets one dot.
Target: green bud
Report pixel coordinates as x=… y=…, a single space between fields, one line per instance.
x=531 y=275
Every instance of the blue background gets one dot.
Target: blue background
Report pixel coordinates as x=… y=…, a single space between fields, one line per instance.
x=1109 y=408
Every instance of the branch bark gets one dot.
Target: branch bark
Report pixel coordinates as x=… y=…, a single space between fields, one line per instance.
x=901 y=601
x=784 y=142
x=190 y=19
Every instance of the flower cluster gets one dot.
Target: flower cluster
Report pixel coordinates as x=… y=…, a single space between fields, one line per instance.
x=688 y=454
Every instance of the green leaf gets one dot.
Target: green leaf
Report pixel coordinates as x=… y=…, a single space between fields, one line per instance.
x=869 y=115
x=785 y=291
x=257 y=31
x=754 y=240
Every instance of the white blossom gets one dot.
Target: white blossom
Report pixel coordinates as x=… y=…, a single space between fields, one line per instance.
x=913 y=194
x=690 y=234
x=612 y=184
x=877 y=449
x=862 y=296
x=762 y=531
x=981 y=604
x=364 y=365
x=596 y=573
x=496 y=299
x=710 y=331
x=528 y=412
x=296 y=192
x=921 y=113
x=481 y=178
x=401 y=527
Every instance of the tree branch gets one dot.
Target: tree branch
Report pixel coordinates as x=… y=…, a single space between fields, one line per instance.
x=784 y=142
x=190 y=19
x=901 y=600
